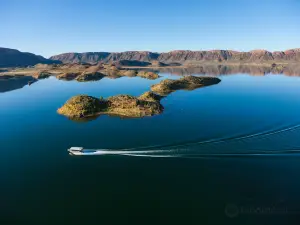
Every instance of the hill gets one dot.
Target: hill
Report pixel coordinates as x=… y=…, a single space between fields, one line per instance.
x=184 y=57
x=14 y=58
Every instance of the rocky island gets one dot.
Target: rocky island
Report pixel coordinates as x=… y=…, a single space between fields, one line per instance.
x=81 y=72
x=148 y=104
x=81 y=106
x=188 y=82
x=94 y=76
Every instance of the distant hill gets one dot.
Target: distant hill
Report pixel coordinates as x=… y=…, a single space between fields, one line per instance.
x=255 y=56
x=142 y=56
x=14 y=58
x=87 y=57
x=106 y=57
x=181 y=57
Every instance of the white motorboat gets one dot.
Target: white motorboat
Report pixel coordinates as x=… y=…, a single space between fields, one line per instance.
x=75 y=150
x=82 y=151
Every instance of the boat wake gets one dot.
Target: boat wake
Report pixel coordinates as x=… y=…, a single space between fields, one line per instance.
x=249 y=145
x=158 y=154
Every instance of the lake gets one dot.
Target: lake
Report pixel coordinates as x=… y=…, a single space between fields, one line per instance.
x=226 y=153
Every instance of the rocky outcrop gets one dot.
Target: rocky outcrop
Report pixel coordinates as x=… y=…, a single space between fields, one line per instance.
x=185 y=57
x=14 y=58
x=121 y=105
x=189 y=83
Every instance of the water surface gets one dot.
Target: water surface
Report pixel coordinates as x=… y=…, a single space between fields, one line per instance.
x=234 y=142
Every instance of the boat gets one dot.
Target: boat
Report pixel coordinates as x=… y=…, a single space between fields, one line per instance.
x=82 y=151
x=75 y=150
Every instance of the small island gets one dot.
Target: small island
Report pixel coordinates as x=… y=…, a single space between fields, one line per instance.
x=96 y=72
x=188 y=83
x=147 y=104
x=82 y=72
x=85 y=76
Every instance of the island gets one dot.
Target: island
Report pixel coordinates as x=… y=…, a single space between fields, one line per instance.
x=98 y=71
x=147 y=104
x=79 y=71
x=188 y=83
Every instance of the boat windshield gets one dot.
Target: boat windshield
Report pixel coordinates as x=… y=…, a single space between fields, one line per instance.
x=88 y=151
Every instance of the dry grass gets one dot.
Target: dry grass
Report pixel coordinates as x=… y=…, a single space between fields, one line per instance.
x=188 y=82
x=122 y=105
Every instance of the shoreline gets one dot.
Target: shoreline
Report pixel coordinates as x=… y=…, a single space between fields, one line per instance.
x=278 y=67
x=213 y=64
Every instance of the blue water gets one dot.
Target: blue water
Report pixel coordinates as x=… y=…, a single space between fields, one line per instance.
x=234 y=142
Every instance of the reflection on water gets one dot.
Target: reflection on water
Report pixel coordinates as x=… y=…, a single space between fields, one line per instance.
x=289 y=70
x=14 y=83
x=84 y=119
x=215 y=70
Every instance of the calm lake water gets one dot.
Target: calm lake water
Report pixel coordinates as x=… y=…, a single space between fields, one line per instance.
x=227 y=153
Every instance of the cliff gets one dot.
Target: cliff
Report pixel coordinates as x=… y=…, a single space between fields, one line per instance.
x=106 y=57
x=15 y=58
x=87 y=57
x=186 y=57
x=142 y=56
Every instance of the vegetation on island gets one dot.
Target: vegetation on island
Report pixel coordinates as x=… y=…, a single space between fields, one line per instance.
x=188 y=82
x=147 y=104
x=122 y=105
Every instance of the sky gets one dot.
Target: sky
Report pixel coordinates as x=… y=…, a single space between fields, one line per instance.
x=50 y=27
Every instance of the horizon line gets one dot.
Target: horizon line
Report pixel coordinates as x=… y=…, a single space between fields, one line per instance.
x=149 y=51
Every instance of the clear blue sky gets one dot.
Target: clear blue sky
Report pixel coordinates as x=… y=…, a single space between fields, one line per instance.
x=49 y=27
